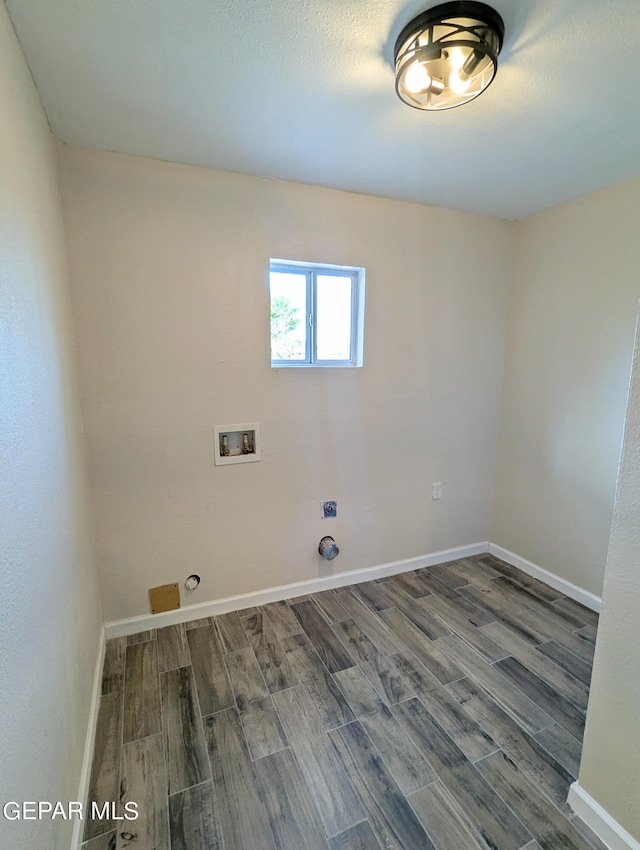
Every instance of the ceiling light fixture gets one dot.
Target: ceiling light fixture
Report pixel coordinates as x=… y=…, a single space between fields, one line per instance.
x=448 y=55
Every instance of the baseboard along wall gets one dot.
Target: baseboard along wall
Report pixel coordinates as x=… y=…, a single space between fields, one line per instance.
x=85 y=773
x=584 y=597
x=599 y=820
x=132 y=625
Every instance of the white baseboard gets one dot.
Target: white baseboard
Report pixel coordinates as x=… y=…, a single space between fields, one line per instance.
x=584 y=597
x=599 y=820
x=132 y=625
x=87 y=759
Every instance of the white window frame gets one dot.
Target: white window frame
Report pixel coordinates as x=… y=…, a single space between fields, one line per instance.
x=311 y=272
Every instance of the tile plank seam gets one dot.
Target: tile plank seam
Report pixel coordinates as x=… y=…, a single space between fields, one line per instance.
x=504 y=601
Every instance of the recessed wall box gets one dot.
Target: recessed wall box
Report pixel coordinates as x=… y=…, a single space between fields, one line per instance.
x=236 y=443
x=329 y=509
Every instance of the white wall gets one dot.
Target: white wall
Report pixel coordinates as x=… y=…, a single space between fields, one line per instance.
x=569 y=348
x=170 y=295
x=49 y=608
x=610 y=767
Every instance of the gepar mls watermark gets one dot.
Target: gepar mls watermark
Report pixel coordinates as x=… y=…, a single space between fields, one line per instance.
x=44 y=810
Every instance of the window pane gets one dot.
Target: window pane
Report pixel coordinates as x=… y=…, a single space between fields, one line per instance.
x=333 y=317
x=288 y=316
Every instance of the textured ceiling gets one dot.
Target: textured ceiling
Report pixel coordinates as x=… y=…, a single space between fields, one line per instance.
x=304 y=90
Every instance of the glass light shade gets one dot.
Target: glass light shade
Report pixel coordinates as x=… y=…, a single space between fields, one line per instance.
x=448 y=55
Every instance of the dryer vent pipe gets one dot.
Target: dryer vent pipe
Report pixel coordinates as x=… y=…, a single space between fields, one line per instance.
x=328 y=548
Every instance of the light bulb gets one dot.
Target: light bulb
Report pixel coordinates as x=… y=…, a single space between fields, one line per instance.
x=459 y=82
x=416 y=79
x=457 y=58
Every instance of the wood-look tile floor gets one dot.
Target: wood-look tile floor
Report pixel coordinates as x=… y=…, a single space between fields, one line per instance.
x=442 y=708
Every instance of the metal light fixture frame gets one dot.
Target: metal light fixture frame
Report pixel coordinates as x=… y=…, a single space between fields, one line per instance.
x=467 y=25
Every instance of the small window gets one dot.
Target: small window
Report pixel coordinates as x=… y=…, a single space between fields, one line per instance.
x=316 y=314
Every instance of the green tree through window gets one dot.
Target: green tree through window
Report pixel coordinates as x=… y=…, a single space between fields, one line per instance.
x=285 y=321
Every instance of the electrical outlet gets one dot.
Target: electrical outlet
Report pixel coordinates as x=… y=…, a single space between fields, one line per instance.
x=437 y=490
x=329 y=509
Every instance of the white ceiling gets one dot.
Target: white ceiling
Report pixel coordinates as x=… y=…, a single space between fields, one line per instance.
x=304 y=90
